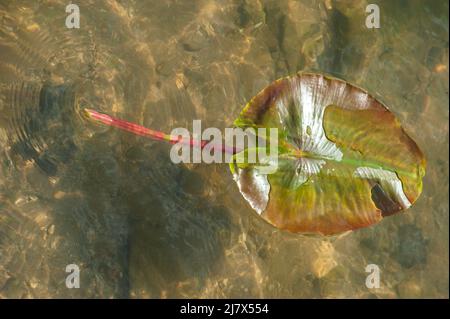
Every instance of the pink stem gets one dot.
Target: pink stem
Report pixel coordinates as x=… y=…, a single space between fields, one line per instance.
x=156 y=135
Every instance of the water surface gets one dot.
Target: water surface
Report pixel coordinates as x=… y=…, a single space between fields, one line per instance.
x=139 y=226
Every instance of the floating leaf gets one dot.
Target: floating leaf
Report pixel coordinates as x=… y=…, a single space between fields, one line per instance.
x=344 y=161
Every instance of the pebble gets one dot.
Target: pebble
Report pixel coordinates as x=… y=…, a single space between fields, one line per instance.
x=51 y=229
x=33 y=27
x=59 y=195
x=325 y=260
x=409 y=289
x=440 y=68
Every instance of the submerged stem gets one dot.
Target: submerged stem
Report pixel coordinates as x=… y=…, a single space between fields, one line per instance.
x=156 y=135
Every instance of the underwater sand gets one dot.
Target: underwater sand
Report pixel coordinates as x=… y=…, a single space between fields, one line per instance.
x=139 y=226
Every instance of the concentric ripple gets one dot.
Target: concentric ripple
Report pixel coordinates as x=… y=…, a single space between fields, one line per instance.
x=41 y=124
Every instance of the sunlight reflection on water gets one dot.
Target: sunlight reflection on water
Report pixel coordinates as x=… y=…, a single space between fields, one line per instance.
x=140 y=226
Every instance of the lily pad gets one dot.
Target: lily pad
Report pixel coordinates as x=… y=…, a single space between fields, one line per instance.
x=344 y=161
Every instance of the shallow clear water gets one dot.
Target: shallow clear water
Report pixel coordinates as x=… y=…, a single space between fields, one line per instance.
x=138 y=225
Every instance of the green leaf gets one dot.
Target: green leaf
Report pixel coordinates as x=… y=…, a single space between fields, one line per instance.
x=344 y=161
